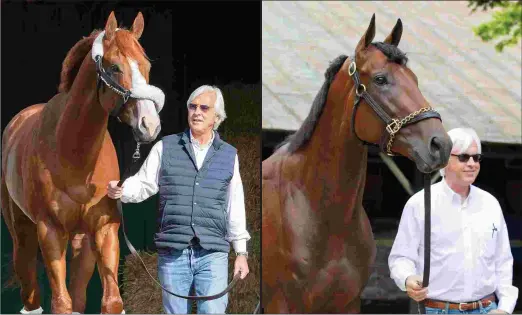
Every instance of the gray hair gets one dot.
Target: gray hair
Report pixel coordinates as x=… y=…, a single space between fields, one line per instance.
x=219 y=105
x=462 y=139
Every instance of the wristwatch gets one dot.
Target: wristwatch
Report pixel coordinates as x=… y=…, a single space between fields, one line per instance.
x=242 y=254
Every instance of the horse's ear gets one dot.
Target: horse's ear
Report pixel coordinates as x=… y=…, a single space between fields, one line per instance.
x=395 y=36
x=110 y=27
x=368 y=36
x=137 y=26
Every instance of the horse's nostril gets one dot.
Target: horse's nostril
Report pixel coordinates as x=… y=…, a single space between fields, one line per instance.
x=143 y=125
x=435 y=146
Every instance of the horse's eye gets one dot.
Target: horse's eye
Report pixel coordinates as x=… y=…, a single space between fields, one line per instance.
x=380 y=80
x=115 y=69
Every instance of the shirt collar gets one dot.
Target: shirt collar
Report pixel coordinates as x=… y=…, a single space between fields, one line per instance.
x=196 y=143
x=454 y=197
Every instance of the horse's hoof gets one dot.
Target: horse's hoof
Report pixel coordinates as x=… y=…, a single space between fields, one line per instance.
x=123 y=312
x=75 y=313
x=36 y=311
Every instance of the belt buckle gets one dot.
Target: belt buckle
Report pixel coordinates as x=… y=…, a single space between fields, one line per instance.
x=460 y=306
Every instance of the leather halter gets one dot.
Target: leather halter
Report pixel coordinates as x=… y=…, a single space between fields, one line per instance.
x=393 y=125
x=105 y=77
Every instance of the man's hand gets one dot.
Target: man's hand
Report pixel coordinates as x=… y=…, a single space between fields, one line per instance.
x=113 y=191
x=414 y=288
x=241 y=265
x=497 y=311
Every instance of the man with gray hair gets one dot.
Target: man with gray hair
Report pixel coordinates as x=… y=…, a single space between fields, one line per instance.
x=201 y=206
x=471 y=260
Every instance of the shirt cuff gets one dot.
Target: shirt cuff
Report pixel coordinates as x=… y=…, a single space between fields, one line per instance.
x=507 y=305
x=401 y=280
x=239 y=246
x=127 y=191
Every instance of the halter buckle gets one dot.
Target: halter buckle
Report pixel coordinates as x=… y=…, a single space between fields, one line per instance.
x=137 y=155
x=363 y=90
x=352 y=68
x=126 y=96
x=393 y=127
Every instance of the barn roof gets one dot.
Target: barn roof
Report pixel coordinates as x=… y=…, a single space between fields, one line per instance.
x=465 y=79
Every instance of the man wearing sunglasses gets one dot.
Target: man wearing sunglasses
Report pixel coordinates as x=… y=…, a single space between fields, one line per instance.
x=471 y=260
x=201 y=205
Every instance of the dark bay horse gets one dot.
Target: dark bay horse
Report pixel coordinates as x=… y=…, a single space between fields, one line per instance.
x=57 y=159
x=317 y=241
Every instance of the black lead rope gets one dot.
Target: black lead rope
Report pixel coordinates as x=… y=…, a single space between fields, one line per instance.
x=427 y=237
x=126 y=174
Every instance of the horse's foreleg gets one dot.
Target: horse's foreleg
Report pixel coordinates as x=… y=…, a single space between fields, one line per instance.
x=82 y=266
x=108 y=248
x=53 y=244
x=277 y=304
x=25 y=245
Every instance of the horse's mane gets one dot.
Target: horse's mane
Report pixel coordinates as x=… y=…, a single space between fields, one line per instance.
x=72 y=62
x=304 y=133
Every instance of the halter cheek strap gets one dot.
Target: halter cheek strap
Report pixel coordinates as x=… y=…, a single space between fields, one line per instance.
x=393 y=125
x=106 y=78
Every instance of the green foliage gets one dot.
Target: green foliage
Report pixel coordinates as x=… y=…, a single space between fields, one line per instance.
x=506 y=23
x=486 y=4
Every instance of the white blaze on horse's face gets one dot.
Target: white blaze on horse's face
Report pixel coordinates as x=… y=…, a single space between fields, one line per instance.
x=145 y=121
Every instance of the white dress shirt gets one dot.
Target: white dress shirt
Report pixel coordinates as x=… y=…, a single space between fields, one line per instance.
x=145 y=184
x=470 y=250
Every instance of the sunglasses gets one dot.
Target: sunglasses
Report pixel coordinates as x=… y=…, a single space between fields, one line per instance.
x=464 y=158
x=194 y=107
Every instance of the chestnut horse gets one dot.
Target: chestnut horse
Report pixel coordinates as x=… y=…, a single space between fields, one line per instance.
x=57 y=159
x=317 y=242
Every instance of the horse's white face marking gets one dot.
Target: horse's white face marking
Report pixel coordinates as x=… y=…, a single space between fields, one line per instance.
x=150 y=98
x=141 y=90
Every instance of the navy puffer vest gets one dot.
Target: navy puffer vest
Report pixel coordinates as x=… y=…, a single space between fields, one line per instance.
x=191 y=202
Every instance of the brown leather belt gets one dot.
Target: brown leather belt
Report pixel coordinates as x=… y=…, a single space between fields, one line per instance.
x=466 y=306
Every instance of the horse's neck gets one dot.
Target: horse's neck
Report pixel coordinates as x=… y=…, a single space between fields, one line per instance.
x=336 y=159
x=83 y=123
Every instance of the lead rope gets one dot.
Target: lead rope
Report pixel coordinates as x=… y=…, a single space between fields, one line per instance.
x=135 y=157
x=427 y=237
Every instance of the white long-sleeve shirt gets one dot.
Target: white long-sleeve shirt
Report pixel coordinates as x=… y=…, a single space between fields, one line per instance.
x=145 y=184
x=470 y=250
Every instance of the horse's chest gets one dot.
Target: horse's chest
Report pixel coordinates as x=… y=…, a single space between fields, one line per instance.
x=330 y=268
x=64 y=199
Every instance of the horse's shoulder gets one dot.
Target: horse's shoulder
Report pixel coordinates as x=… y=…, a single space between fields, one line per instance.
x=270 y=167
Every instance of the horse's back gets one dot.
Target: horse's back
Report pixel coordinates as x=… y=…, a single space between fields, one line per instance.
x=18 y=144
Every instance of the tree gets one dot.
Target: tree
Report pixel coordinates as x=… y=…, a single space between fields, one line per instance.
x=505 y=25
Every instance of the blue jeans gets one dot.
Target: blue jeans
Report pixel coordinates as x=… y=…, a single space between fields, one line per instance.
x=206 y=270
x=446 y=310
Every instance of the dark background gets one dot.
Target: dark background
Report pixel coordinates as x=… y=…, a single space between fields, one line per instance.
x=189 y=43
